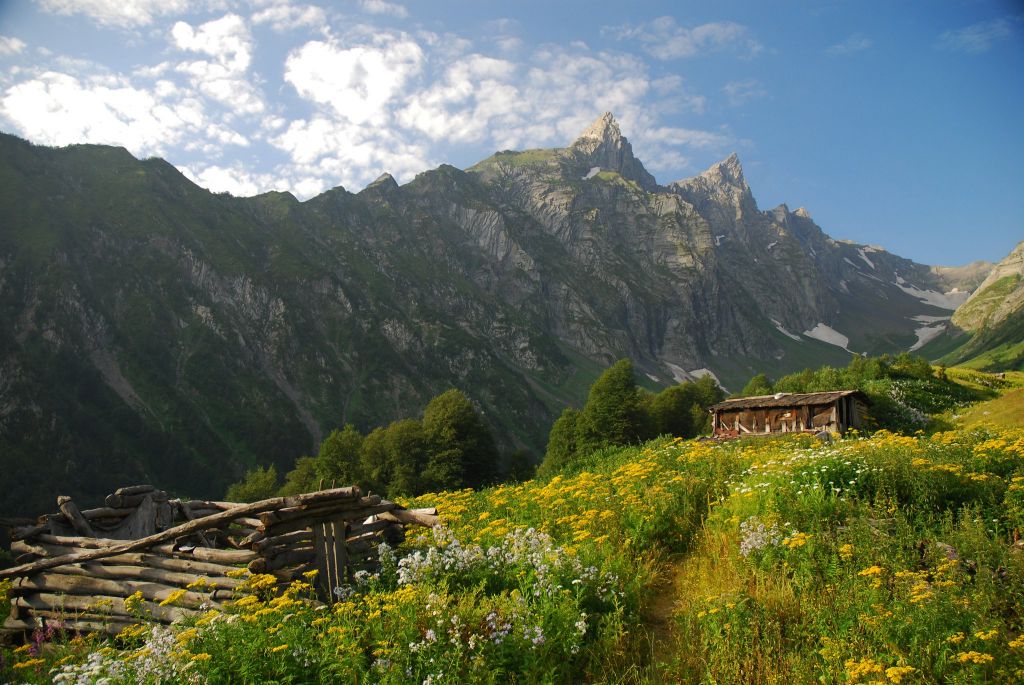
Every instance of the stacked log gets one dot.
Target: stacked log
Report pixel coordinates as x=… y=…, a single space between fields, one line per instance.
x=78 y=567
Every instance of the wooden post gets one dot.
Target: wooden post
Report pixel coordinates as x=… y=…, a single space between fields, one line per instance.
x=78 y=522
x=331 y=556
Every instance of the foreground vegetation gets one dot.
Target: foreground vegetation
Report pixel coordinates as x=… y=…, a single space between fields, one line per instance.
x=874 y=559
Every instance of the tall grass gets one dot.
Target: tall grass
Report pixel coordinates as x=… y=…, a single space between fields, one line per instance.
x=874 y=559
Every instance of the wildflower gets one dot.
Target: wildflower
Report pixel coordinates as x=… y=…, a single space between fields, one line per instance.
x=846 y=552
x=173 y=597
x=896 y=673
x=986 y=634
x=871 y=571
x=955 y=638
x=30 y=663
x=279 y=648
x=202 y=656
x=974 y=657
x=133 y=602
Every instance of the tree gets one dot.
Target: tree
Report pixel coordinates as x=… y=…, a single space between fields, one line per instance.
x=337 y=462
x=671 y=410
x=259 y=483
x=406 y=454
x=561 y=443
x=613 y=414
x=459 y=439
x=758 y=385
x=302 y=478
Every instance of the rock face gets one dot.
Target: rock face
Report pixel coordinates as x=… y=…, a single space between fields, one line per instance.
x=153 y=330
x=997 y=297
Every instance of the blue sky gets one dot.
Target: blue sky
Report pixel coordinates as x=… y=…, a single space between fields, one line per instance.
x=893 y=123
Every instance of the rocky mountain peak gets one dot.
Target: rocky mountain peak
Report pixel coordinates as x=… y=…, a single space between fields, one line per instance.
x=803 y=213
x=728 y=172
x=603 y=146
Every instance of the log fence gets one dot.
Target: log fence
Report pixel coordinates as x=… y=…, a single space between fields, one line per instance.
x=77 y=567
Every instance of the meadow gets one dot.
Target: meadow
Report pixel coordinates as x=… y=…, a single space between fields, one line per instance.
x=872 y=559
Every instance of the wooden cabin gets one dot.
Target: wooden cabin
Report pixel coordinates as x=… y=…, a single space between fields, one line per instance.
x=835 y=411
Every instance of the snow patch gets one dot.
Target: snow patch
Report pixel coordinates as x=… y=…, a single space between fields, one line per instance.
x=950 y=300
x=652 y=377
x=847 y=260
x=700 y=373
x=772 y=244
x=925 y=318
x=829 y=335
x=926 y=334
x=594 y=171
x=780 y=329
x=679 y=374
x=865 y=258
x=718 y=240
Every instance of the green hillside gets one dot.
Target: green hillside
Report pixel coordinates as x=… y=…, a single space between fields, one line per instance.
x=872 y=559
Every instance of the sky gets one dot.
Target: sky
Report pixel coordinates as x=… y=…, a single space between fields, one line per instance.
x=895 y=124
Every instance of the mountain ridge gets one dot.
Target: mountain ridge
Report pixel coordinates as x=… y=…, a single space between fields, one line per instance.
x=157 y=331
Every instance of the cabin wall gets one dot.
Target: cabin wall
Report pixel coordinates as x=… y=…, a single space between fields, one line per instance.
x=835 y=417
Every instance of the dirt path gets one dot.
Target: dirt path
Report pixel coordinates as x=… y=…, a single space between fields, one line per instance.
x=658 y=617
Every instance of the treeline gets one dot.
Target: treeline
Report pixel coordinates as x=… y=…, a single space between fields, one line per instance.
x=451 y=447
x=904 y=389
x=617 y=412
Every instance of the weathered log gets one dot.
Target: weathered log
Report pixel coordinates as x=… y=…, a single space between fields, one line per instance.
x=290 y=558
x=223 y=556
x=119 y=501
x=102 y=606
x=30 y=531
x=288 y=539
x=251 y=539
x=312 y=516
x=186 y=510
x=318 y=508
x=357 y=529
x=57 y=581
x=141 y=523
x=159 y=575
x=413 y=516
x=134 y=490
x=78 y=626
x=149 y=541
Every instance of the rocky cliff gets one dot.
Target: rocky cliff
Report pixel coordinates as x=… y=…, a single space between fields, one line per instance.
x=155 y=331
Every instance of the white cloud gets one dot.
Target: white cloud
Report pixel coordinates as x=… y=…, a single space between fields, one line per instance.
x=357 y=82
x=976 y=38
x=856 y=42
x=283 y=18
x=382 y=7
x=234 y=179
x=664 y=39
x=739 y=92
x=228 y=41
x=59 y=109
x=117 y=13
x=10 y=45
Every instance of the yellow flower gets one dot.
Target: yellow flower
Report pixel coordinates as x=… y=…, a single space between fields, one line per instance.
x=986 y=634
x=896 y=673
x=173 y=597
x=872 y=571
x=202 y=656
x=846 y=552
x=279 y=648
x=30 y=663
x=955 y=638
x=1018 y=643
x=133 y=602
x=974 y=658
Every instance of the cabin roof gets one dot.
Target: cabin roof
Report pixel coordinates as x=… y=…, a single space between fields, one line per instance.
x=786 y=399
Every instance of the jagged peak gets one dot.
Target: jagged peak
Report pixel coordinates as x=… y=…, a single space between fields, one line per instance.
x=604 y=129
x=803 y=213
x=384 y=182
x=728 y=171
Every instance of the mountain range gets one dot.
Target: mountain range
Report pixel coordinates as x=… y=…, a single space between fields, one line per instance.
x=153 y=331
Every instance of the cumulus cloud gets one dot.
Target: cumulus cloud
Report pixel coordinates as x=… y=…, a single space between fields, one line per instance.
x=287 y=17
x=357 y=81
x=224 y=78
x=665 y=39
x=740 y=92
x=382 y=7
x=117 y=13
x=10 y=45
x=976 y=38
x=59 y=109
x=234 y=179
x=856 y=42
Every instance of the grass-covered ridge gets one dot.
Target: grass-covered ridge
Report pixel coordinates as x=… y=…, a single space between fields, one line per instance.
x=874 y=559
